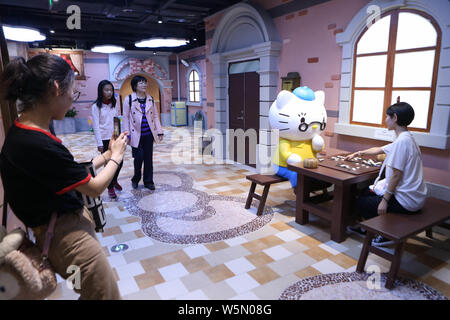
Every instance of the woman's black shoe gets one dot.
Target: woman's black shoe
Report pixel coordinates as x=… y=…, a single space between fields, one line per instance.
x=150 y=186
x=134 y=184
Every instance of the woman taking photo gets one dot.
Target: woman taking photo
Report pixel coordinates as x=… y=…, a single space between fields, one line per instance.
x=403 y=190
x=103 y=112
x=40 y=175
x=141 y=120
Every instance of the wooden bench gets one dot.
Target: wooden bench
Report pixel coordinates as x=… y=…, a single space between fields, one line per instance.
x=399 y=227
x=266 y=181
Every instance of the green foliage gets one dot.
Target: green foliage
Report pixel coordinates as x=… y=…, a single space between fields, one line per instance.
x=71 y=113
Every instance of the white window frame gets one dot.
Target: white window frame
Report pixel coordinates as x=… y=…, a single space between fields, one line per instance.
x=439 y=135
x=188 y=92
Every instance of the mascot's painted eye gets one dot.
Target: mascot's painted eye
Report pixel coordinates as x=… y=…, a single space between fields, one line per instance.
x=302 y=120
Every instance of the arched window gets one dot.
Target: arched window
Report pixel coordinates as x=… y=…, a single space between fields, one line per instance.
x=194 y=87
x=396 y=57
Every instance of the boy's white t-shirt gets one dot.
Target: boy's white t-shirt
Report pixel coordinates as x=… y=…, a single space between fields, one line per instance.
x=404 y=154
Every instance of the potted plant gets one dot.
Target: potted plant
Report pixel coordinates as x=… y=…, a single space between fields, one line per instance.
x=69 y=121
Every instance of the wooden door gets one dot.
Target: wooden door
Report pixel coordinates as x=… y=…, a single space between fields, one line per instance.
x=244 y=112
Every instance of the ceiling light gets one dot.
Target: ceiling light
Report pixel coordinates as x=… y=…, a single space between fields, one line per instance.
x=52 y=31
x=108 y=49
x=160 y=20
x=23 y=34
x=185 y=63
x=160 y=42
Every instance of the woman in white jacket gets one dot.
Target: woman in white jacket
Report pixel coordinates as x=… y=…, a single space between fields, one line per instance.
x=103 y=112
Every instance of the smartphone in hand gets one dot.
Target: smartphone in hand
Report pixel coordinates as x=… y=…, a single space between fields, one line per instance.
x=116 y=127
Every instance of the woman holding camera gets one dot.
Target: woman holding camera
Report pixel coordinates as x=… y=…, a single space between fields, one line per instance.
x=40 y=175
x=103 y=112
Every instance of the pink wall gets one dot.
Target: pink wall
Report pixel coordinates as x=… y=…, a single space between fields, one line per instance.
x=195 y=56
x=96 y=68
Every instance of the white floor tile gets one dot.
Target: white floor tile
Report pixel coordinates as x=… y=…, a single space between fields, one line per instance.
x=246 y=296
x=140 y=243
x=130 y=227
x=196 y=251
x=194 y=295
x=240 y=265
x=235 y=241
x=116 y=260
x=173 y=271
x=288 y=235
x=277 y=252
x=327 y=266
x=443 y=274
x=242 y=283
x=329 y=249
x=127 y=286
x=107 y=241
x=130 y=270
x=171 y=289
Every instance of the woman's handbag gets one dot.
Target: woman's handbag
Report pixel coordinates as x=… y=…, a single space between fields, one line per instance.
x=25 y=272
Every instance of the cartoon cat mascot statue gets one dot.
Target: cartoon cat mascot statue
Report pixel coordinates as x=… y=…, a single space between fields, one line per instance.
x=300 y=117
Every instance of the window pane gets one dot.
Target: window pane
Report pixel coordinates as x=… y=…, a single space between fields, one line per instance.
x=420 y=101
x=376 y=38
x=191 y=86
x=197 y=85
x=371 y=71
x=368 y=106
x=195 y=75
x=191 y=96
x=414 y=69
x=197 y=97
x=414 y=31
x=191 y=76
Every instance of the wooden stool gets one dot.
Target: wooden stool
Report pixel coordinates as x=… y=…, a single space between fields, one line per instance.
x=399 y=227
x=266 y=181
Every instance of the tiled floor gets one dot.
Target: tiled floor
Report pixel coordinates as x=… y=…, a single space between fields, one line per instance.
x=243 y=256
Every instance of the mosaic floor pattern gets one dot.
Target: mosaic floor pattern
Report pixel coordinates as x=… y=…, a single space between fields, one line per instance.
x=358 y=286
x=191 y=239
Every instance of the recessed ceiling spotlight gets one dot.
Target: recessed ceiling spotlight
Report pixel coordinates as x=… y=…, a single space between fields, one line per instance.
x=160 y=42
x=22 y=34
x=195 y=39
x=52 y=31
x=107 y=49
x=160 y=20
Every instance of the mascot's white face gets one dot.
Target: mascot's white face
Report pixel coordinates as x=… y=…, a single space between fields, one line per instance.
x=300 y=115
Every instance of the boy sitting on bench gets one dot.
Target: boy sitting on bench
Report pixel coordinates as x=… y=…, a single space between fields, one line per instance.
x=403 y=190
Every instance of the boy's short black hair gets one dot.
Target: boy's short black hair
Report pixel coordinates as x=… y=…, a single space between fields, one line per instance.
x=404 y=112
x=135 y=81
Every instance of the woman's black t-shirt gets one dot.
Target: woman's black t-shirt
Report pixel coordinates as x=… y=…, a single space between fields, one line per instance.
x=39 y=175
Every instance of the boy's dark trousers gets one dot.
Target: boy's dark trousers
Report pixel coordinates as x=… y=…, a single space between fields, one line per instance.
x=366 y=205
x=116 y=175
x=143 y=154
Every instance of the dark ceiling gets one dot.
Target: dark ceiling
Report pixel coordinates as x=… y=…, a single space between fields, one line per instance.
x=119 y=22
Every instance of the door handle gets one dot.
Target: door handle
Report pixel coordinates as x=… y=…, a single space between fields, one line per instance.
x=240 y=118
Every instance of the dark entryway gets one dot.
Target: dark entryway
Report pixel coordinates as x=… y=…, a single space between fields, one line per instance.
x=244 y=107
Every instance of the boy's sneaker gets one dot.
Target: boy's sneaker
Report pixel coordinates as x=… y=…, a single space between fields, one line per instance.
x=380 y=241
x=117 y=186
x=112 y=193
x=357 y=230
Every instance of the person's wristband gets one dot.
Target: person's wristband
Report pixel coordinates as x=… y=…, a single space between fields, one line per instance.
x=114 y=161
x=391 y=193
x=386 y=199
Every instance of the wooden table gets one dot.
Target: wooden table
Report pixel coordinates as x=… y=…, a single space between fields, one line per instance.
x=343 y=195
